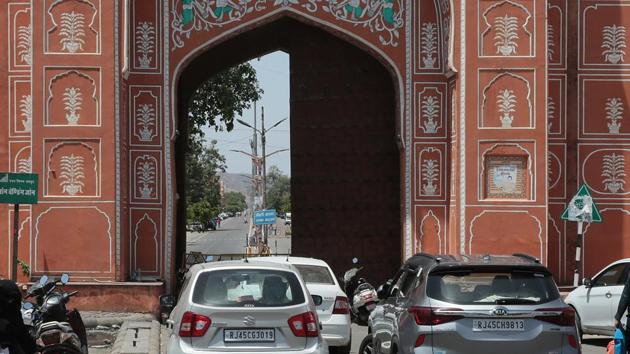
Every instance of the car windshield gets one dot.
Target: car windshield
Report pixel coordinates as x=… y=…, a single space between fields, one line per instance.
x=470 y=288
x=315 y=274
x=248 y=288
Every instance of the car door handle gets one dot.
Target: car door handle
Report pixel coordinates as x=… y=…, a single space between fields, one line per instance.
x=608 y=295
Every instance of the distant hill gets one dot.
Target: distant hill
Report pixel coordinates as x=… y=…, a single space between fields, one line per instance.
x=236 y=182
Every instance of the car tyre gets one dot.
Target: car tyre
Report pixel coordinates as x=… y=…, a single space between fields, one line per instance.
x=367 y=347
x=578 y=324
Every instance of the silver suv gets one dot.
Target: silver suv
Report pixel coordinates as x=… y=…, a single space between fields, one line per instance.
x=245 y=307
x=472 y=304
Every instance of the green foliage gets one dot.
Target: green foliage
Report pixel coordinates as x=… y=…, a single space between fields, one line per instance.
x=220 y=99
x=278 y=190
x=203 y=196
x=234 y=202
x=26 y=269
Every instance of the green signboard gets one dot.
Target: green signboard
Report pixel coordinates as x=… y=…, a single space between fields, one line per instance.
x=582 y=208
x=18 y=188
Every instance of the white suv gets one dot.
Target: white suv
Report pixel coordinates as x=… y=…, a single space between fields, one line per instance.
x=334 y=311
x=596 y=301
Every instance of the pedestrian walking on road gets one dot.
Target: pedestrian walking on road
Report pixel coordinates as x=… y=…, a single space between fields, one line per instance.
x=624 y=302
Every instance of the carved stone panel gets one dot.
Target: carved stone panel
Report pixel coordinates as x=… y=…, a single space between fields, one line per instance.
x=73 y=168
x=20 y=106
x=556 y=106
x=72 y=27
x=145 y=243
x=506 y=28
x=430 y=229
x=604 y=107
x=146 y=181
x=20 y=34
x=146 y=37
x=557 y=33
x=20 y=155
x=556 y=171
x=605 y=170
x=73 y=97
x=428 y=38
x=506 y=99
x=430 y=110
x=430 y=171
x=604 y=27
x=24 y=238
x=145 y=104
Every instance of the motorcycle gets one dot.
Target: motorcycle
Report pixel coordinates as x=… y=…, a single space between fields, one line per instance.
x=54 y=328
x=363 y=299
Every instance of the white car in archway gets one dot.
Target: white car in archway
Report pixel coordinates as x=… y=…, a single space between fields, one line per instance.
x=596 y=301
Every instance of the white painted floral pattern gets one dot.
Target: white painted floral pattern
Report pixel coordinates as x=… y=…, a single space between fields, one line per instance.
x=551 y=44
x=614 y=172
x=145 y=118
x=506 y=101
x=551 y=112
x=25 y=165
x=428 y=47
x=24 y=44
x=72 y=174
x=614 y=43
x=146 y=173
x=506 y=35
x=72 y=99
x=614 y=113
x=72 y=31
x=430 y=114
x=430 y=174
x=26 y=112
x=145 y=44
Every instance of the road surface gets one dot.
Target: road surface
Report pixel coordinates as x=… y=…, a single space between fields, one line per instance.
x=229 y=239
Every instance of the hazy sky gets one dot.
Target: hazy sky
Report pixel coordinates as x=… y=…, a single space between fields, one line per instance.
x=273 y=75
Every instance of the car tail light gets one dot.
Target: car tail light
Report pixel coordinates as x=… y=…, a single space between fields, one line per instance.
x=573 y=342
x=304 y=325
x=565 y=316
x=427 y=316
x=420 y=340
x=342 y=306
x=194 y=325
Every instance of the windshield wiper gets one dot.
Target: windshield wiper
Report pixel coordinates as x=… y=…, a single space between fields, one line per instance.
x=515 y=301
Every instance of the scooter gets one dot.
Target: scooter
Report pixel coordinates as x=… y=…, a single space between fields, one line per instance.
x=54 y=328
x=363 y=299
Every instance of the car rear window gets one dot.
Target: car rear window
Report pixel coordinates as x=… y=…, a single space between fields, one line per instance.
x=470 y=288
x=248 y=288
x=315 y=274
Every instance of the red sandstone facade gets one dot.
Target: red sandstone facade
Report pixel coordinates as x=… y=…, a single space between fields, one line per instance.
x=90 y=90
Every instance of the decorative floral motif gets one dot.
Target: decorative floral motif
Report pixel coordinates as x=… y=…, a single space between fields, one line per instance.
x=146 y=177
x=506 y=35
x=614 y=43
x=551 y=44
x=614 y=172
x=551 y=112
x=145 y=118
x=25 y=165
x=506 y=101
x=384 y=17
x=72 y=31
x=26 y=111
x=428 y=48
x=614 y=113
x=145 y=36
x=24 y=44
x=430 y=112
x=430 y=174
x=72 y=174
x=72 y=99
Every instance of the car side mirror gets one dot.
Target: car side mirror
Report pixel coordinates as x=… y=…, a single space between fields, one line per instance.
x=65 y=278
x=317 y=299
x=383 y=290
x=587 y=282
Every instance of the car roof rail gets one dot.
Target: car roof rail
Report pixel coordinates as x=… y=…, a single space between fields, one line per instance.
x=527 y=257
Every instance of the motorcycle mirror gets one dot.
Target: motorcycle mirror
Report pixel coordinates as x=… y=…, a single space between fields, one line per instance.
x=65 y=278
x=355 y=260
x=27 y=305
x=43 y=280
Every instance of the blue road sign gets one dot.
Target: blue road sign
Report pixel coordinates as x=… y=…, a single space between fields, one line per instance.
x=265 y=217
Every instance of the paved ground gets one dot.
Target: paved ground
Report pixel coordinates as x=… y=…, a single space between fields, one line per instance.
x=590 y=345
x=229 y=239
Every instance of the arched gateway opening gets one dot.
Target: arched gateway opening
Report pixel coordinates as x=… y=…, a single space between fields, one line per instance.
x=345 y=163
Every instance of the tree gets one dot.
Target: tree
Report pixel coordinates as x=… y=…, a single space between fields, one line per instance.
x=215 y=103
x=234 y=202
x=203 y=196
x=220 y=99
x=278 y=190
